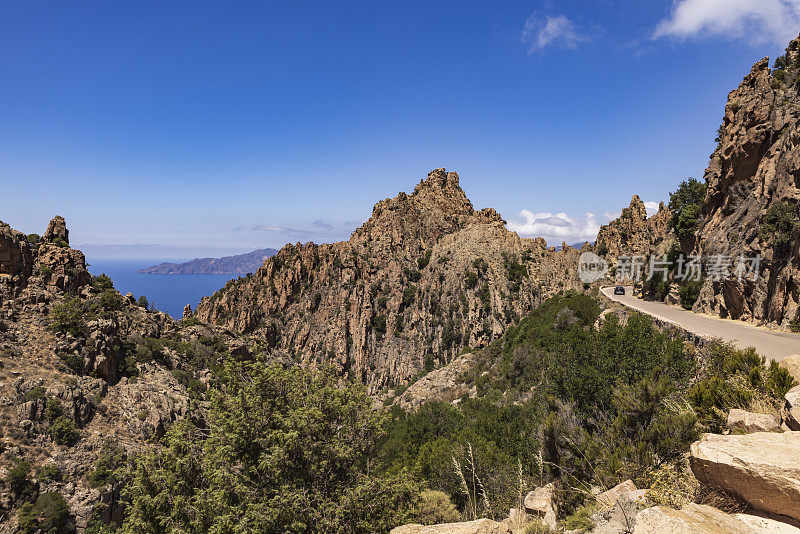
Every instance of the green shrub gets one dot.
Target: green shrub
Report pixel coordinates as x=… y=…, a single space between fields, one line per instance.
x=580 y=520
x=689 y=292
x=53 y=409
x=102 y=283
x=436 y=507
x=296 y=469
x=60 y=242
x=470 y=279
x=50 y=473
x=409 y=295
x=72 y=360
x=379 y=324
x=110 y=301
x=50 y=514
x=485 y=297
x=423 y=261
x=34 y=239
x=68 y=317
x=143 y=302
x=109 y=467
x=777 y=225
x=686 y=204
x=35 y=393
x=64 y=432
x=779 y=381
x=17 y=480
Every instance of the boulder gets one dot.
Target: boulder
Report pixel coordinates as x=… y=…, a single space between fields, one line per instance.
x=187 y=311
x=540 y=503
x=766 y=524
x=753 y=422
x=791 y=408
x=792 y=364
x=692 y=519
x=762 y=469
x=608 y=499
x=480 y=526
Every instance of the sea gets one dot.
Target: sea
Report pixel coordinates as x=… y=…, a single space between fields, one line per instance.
x=166 y=292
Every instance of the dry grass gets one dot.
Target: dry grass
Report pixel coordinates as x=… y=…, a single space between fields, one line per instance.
x=720 y=500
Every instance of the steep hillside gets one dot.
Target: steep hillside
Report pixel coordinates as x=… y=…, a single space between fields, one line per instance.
x=753 y=192
x=238 y=264
x=424 y=277
x=87 y=377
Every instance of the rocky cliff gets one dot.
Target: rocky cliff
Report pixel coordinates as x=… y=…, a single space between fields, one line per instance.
x=83 y=371
x=753 y=192
x=426 y=276
x=634 y=233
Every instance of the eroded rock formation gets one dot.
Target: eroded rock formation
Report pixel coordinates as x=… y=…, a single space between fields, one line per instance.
x=424 y=277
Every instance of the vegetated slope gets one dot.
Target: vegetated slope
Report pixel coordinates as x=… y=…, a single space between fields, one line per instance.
x=424 y=277
x=581 y=398
x=238 y=264
x=88 y=377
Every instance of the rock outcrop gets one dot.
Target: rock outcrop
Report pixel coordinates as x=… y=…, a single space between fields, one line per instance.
x=78 y=358
x=540 y=503
x=701 y=519
x=57 y=231
x=792 y=365
x=480 y=526
x=16 y=260
x=634 y=233
x=424 y=277
x=753 y=422
x=761 y=469
x=753 y=170
x=791 y=408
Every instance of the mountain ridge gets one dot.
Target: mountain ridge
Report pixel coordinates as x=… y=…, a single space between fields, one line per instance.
x=236 y=264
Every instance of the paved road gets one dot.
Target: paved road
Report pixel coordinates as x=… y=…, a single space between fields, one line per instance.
x=773 y=345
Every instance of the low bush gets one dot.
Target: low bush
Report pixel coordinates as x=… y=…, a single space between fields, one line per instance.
x=50 y=514
x=689 y=292
x=64 y=432
x=17 y=480
x=778 y=224
x=109 y=467
x=102 y=283
x=68 y=317
x=436 y=507
x=50 y=473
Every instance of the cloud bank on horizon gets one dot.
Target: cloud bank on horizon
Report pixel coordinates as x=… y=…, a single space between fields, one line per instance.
x=559 y=227
x=775 y=21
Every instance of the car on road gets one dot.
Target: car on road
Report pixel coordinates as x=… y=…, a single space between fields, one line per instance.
x=619 y=290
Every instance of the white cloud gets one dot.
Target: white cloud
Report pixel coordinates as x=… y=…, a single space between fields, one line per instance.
x=556 y=228
x=539 y=33
x=775 y=21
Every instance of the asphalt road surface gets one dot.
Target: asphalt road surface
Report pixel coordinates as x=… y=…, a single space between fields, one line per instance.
x=773 y=345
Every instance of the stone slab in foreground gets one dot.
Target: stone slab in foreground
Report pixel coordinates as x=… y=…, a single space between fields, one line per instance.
x=763 y=469
x=480 y=526
x=701 y=519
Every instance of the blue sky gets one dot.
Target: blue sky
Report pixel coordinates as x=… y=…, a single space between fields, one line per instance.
x=179 y=129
